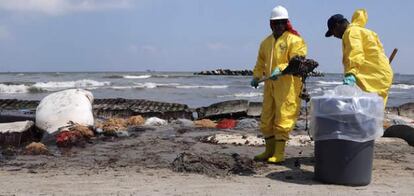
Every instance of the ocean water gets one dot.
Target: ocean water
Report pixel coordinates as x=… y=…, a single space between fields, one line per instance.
x=183 y=87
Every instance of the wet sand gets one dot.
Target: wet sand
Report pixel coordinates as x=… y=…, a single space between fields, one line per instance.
x=142 y=165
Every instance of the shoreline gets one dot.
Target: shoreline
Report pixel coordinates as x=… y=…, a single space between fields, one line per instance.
x=27 y=104
x=143 y=161
x=142 y=164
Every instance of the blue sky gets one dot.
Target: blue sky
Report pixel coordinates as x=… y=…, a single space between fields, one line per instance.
x=180 y=35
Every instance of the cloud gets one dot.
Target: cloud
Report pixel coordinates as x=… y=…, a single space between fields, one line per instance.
x=58 y=7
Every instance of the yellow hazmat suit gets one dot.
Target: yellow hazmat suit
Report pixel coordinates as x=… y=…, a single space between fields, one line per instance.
x=281 y=102
x=363 y=56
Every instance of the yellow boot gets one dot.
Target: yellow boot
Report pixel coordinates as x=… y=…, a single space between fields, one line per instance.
x=279 y=155
x=269 y=150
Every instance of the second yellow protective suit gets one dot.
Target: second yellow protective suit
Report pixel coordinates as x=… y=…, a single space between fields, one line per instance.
x=281 y=102
x=364 y=57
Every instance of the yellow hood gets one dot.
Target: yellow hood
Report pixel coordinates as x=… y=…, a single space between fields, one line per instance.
x=360 y=18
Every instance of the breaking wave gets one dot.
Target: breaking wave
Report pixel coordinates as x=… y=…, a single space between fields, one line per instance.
x=326 y=83
x=146 y=85
x=146 y=76
x=136 y=77
x=39 y=87
x=402 y=86
x=316 y=91
x=123 y=87
x=251 y=94
x=169 y=85
x=19 y=88
x=51 y=86
x=9 y=89
x=150 y=85
x=128 y=76
x=243 y=95
x=195 y=86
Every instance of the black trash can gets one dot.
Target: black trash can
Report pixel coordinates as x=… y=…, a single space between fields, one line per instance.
x=344 y=162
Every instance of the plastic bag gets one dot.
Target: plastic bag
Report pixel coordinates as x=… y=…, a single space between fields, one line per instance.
x=347 y=113
x=154 y=121
x=248 y=123
x=62 y=108
x=181 y=122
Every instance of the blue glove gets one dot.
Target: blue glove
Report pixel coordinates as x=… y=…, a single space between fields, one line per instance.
x=254 y=83
x=349 y=79
x=275 y=74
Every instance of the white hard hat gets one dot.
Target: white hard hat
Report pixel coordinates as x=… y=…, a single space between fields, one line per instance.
x=278 y=13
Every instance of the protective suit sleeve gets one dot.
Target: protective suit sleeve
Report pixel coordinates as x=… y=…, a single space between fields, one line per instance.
x=298 y=48
x=259 y=68
x=354 y=55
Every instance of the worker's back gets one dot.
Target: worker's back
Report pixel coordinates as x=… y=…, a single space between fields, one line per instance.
x=365 y=58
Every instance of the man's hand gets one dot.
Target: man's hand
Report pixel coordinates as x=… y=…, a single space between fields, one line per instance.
x=349 y=79
x=254 y=83
x=275 y=74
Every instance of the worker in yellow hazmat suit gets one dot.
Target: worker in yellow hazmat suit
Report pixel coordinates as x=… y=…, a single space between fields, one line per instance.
x=365 y=63
x=281 y=102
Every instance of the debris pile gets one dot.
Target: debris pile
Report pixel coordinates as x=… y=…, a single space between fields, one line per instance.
x=135 y=120
x=36 y=148
x=68 y=138
x=205 y=123
x=73 y=135
x=213 y=165
x=85 y=131
x=226 y=124
x=112 y=125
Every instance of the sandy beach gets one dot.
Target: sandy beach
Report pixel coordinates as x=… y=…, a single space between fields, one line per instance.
x=135 y=97
x=142 y=165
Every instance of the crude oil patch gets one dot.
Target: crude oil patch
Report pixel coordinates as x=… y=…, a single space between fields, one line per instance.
x=214 y=165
